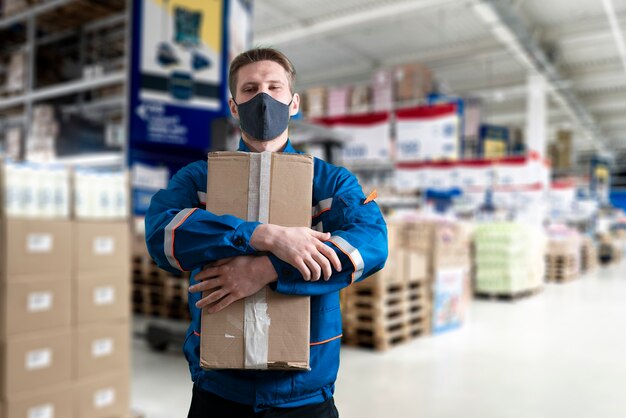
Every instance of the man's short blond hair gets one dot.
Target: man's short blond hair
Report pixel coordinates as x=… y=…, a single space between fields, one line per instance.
x=256 y=55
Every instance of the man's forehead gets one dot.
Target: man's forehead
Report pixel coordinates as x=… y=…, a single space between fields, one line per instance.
x=262 y=71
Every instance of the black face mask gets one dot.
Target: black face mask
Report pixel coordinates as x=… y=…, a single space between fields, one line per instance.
x=263 y=117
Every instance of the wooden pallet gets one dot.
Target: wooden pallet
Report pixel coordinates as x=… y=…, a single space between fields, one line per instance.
x=509 y=297
x=562 y=277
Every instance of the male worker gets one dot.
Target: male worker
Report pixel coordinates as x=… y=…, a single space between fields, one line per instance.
x=348 y=242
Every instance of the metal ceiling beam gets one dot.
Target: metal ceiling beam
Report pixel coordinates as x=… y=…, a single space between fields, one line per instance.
x=327 y=24
x=509 y=27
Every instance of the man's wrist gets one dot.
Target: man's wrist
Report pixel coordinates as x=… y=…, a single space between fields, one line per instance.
x=269 y=274
x=261 y=239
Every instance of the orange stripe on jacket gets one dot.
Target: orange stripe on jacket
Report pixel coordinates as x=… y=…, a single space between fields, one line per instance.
x=327 y=341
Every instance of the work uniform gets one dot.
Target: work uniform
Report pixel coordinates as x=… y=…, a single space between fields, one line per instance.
x=182 y=236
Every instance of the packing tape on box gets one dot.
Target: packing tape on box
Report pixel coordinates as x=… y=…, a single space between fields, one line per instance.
x=256 y=319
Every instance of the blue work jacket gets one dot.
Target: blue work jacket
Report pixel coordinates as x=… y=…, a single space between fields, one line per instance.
x=182 y=236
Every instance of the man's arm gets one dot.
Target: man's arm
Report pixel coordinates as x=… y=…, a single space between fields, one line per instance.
x=181 y=237
x=358 y=238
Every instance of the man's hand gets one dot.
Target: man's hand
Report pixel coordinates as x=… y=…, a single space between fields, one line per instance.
x=232 y=279
x=301 y=247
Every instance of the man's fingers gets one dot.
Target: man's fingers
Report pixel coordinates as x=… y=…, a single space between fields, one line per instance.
x=303 y=269
x=316 y=271
x=323 y=262
x=207 y=273
x=205 y=285
x=331 y=255
x=210 y=299
x=322 y=236
x=222 y=304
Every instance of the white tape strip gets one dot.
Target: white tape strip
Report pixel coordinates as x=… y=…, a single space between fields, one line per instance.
x=264 y=187
x=256 y=331
x=256 y=319
x=253 y=187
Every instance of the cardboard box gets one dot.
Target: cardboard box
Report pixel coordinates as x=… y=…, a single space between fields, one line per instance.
x=416 y=266
x=103 y=396
x=315 y=102
x=36 y=249
x=102 y=246
x=54 y=402
x=12 y=7
x=413 y=81
x=35 y=305
x=287 y=185
x=35 y=361
x=101 y=297
x=394 y=270
x=101 y=349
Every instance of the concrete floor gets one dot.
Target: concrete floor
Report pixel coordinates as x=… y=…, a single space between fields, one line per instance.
x=559 y=354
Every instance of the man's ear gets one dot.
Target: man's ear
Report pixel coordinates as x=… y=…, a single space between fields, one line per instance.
x=233 y=108
x=294 y=108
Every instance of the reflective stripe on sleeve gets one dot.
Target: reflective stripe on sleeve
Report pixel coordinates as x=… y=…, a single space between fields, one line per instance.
x=170 y=231
x=353 y=254
x=321 y=207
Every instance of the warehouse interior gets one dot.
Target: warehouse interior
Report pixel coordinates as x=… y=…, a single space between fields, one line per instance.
x=489 y=133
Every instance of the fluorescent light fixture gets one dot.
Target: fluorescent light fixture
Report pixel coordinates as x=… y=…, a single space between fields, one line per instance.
x=615 y=29
x=486 y=13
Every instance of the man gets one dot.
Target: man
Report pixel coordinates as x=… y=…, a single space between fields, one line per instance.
x=348 y=242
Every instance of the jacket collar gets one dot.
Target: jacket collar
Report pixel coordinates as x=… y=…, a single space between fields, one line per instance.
x=288 y=147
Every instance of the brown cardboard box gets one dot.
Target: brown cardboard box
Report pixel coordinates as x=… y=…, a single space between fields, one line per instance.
x=34 y=361
x=416 y=266
x=54 y=402
x=101 y=297
x=413 y=81
x=102 y=246
x=394 y=235
x=34 y=305
x=394 y=270
x=103 y=396
x=36 y=249
x=288 y=187
x=101 y=348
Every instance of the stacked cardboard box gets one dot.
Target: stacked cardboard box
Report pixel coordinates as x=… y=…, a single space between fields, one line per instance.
x=412 y=82
x=382 y=90
x=314 y=105
x=393 y=305
x=360 y=99
x=41 y=141
x=64 y=309
x=36 y=347
x=563 y=258
x=101 y=338
x=338 y=101
x=446 y=247
x=15 y=73
x=11 y=7
x=508 y=259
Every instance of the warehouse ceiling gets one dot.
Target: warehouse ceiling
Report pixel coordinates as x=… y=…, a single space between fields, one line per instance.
x=477 y=48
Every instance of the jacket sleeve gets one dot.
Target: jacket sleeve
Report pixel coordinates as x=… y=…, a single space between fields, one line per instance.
x=182 y=236
x=358 y=237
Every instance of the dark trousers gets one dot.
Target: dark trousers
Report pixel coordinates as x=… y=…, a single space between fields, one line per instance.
x=208 y=405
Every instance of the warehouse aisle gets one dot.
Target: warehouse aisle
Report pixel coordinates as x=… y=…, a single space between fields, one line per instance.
x=557 y=354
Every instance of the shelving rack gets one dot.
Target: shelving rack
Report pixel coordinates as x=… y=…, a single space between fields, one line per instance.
x=81 y=22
